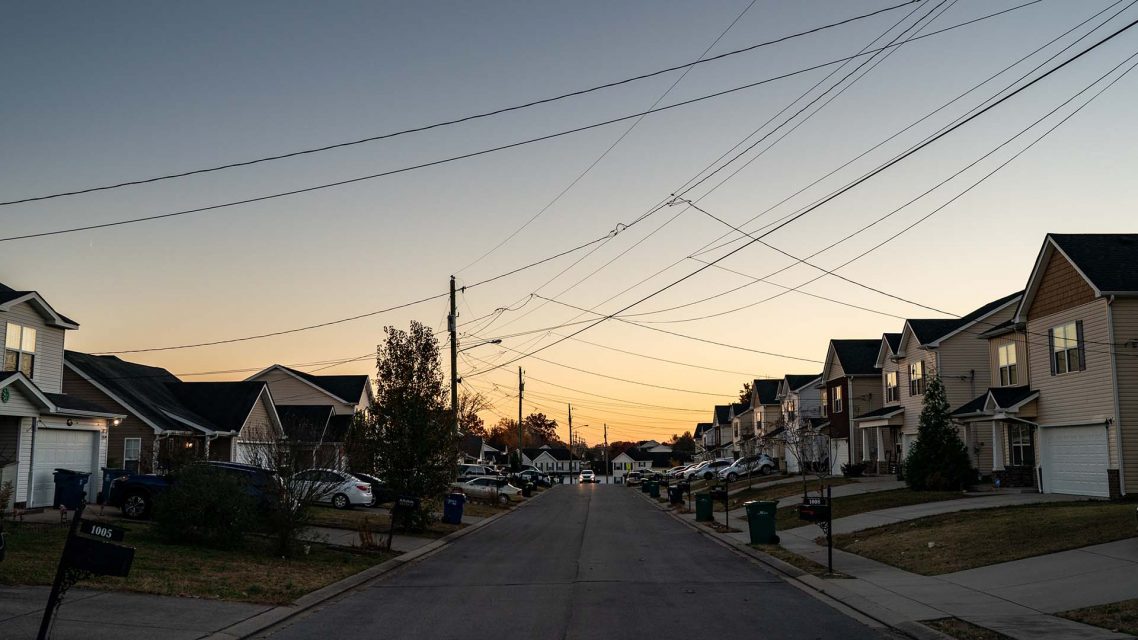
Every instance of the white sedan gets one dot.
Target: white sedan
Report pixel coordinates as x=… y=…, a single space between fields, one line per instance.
x=341 y=490
x=586 y=477
x=491 y=489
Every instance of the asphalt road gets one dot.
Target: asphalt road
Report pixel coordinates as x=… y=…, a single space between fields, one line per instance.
x=581 y=562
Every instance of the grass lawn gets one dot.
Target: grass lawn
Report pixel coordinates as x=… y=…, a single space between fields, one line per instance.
x=795 y=560
x=779 y=492
x=1118 y=616
x=958 y=628
x=957 y=541
x=787 y=517
x=251 y=574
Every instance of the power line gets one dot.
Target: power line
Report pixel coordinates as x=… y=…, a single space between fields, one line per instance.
x=433 y=163
x=468 y=118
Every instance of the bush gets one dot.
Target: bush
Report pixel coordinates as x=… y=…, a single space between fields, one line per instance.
x=205 y=507
x=938 y=460
x=855 y=470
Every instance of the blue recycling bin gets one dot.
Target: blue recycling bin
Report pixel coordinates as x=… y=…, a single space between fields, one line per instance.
x=70 y=488
x=452 y=508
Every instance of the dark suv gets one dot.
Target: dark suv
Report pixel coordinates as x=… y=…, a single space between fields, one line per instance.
x=135 y=494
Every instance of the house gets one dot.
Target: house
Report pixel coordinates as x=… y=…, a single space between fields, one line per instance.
x=743 y=433
x=641 y=458
x=346 y=394
x=475 y=450
x=697 y=436
x=767 y=417
x=849 y=387
x=718 y=439
x=167 y=420
x=1079 y=318
x=944 y=347
x=554 y=461
x=653 y=446
x=41 y=427
x=800 y=400
x=317 y=432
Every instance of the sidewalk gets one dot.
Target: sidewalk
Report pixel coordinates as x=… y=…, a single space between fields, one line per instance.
x=1012 y=598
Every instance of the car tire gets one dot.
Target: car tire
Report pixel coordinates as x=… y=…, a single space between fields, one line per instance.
x=766 y=469
x=341 y=501
x=136 y=505
x=708 y=476
x=732 y=477
x=503 y=499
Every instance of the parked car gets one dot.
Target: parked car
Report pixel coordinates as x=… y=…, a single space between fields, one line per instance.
x=692 y=472
x=339 y=488
x=680 y=472
x=633 y=478
x=380 y=491
x=587 y=476
x=493 y=489
x=537 y=477
x=747 y=466
x=670 y=473
x=712 y=468
x=468 y=471
x=134 y=494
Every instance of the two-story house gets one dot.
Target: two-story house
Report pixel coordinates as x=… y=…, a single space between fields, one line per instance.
x=718 y=439
x=800 y=399
x=554 y=461
x=41 y=428
x=880 y=429
x=767 y=417
x=1080 y=319
x=743 y=433
x=849 y=387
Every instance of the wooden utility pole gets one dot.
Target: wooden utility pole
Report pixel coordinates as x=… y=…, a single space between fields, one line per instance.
x=452 y=326
x=570 y=444
x=607 y=479
x=521 y=432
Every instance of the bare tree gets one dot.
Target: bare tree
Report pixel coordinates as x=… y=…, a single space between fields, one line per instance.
x=810 y=449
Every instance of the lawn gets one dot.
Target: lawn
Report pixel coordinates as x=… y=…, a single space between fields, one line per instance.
x=787 y=517
x=795 y=560
x=1121 y=617
x=251 y=574
x=779 y=492
x=957 y=541
x=962 y=630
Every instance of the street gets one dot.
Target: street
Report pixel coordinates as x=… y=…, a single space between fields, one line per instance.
x=583 y=561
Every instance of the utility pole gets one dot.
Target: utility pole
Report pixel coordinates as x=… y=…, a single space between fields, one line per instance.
x=452 y=326
x=521 y=432
x=607 y=479
x=570 y=444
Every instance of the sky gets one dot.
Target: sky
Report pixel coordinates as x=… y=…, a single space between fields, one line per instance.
x=102 y=93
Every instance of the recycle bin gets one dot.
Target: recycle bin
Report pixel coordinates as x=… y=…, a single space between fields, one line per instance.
x=654 y=489
x=761 y=521
x=703 y=510
x=70 y=488
x=452 y=508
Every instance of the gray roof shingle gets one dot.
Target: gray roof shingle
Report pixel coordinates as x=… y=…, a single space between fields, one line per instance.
x=1109 y=260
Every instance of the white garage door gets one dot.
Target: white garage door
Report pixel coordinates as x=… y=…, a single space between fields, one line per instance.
x=62 y=449
x=839 y=455
x=1074 y=460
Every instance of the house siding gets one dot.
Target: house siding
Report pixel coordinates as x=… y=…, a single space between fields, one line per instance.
x=1081 y=395
x=258 y=426
x=1023 y=373
x=1125 y=316
x=865 y=395
x=914 y=403
x=130 y=427
x=1061 y=288
x=48 y=370
x=288 y=391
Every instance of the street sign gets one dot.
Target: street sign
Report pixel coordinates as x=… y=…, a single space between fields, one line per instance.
x=100 y=558
x=102 y=530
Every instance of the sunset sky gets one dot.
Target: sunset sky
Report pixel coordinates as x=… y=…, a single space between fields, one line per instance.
x=101 y=93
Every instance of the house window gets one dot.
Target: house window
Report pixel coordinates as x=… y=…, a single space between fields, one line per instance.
x=837 y=399
x=132 y=451
x=1022 y=445
x=20 y=349
x=917 y=378
x=825 y=402
x=891 y=394
x=1066 y=342
x=1008 y=374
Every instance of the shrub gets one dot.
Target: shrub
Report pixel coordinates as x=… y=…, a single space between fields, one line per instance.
x=854 y=470
x=938 y=460
x=206 y=507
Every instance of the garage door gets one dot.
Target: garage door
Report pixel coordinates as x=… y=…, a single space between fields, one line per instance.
x=839 y=455
x=62 y=449
x=1074 y=460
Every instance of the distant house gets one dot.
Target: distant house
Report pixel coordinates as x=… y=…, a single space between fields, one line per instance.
x=644 y=460
x=766 y=412
x=555 y=461
x=849 y=387
x=800 y=398
x=718 y=439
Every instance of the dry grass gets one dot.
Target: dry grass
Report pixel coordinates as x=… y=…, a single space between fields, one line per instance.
x=780 y=491
x=250 y=574
x=958 y=541
x=795 y=560
x=853 y=505
x=962 y=630
x=1121 y=617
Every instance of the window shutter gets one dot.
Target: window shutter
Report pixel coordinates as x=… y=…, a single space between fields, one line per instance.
x=1082 y=345
x=1051 y=349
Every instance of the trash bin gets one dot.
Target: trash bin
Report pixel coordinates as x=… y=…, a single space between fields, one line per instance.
x=109 y=476
x=703 y=507
x=70 y=487
x=654 y=489
x=643 y=486
x=527 y=490
x=452 y=508
x=675 y=495
x=761 y=521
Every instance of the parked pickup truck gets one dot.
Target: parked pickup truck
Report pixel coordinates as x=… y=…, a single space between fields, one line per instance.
x=135 y=494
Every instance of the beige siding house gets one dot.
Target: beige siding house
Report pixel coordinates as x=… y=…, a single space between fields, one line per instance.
x=800 y=400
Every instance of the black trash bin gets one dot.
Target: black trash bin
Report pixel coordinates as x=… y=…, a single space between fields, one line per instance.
x=70 y=488
x=675 y=495
x=527 y=490
x=452 y=508
x=109 y=476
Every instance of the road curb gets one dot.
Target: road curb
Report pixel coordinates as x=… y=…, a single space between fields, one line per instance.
x=850 y=604
x=277 y=615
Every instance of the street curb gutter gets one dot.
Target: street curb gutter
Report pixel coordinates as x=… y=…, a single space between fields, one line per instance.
x=851 y=604
x=276 y=615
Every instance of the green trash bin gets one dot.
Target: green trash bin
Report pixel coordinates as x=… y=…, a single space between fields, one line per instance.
x=654 y=489
x=644 y=486
x=761 y=521
x=703 y=511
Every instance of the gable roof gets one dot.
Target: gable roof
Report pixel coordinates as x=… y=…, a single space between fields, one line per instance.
x=890 y=345
x=798 y=381
x=347 y=389
x=858 y=357
x=722 y=414
x=10 y=297
x=557 y=453
x=700 y=427
x=225 y=404
x=765 y=390
x=306 y=422
x=1104 y=260
x=932 y=331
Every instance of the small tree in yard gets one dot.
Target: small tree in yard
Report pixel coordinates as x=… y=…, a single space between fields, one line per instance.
x=416 y=448
x=806 y=444
x=938 y=460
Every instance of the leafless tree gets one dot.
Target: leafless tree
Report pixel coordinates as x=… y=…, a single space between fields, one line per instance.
x=810 y=448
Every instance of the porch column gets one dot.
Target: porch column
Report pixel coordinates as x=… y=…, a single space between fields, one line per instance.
x=880 y=444
x=864 y=444
x=997 y=445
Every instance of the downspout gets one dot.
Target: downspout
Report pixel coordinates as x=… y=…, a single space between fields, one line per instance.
x=1114 y=382
x=31 y=465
